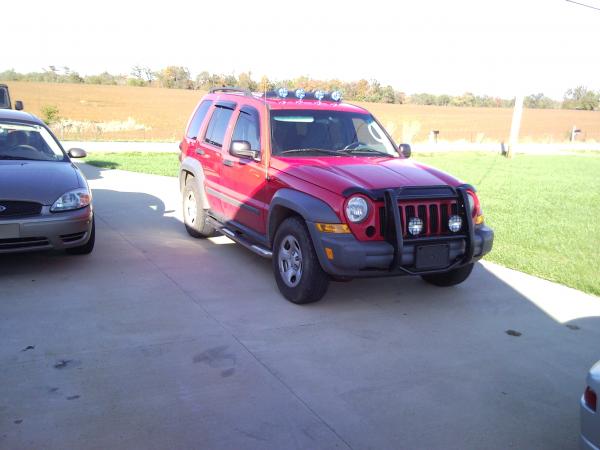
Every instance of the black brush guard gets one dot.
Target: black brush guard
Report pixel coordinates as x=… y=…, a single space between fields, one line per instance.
x=393 y=225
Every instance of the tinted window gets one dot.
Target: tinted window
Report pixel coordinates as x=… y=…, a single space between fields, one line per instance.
x=3 y=98
x=247 y=128
x=197 y=120
x=217 y=127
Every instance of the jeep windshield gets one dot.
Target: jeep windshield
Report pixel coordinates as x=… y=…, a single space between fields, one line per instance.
x=327 y=133
x=28 y=142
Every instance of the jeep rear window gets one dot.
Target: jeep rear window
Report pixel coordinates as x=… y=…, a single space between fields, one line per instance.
x=196 y=122
x=217 y=127
x=3 y=98
x=336 y=132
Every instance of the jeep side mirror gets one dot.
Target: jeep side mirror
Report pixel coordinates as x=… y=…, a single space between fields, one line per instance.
x=405 y=150
x=77 y=153
x=19 y=105
x=242 y=149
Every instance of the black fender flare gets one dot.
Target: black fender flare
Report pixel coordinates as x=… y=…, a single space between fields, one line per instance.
x=310 y=208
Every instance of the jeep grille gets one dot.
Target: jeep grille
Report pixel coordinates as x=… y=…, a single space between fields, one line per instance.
x=433 y=213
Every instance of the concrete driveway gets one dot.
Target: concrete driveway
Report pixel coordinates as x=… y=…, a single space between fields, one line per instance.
x=158 y=340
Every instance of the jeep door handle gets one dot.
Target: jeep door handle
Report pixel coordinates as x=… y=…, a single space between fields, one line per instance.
x=228 y=162
x=199 y=151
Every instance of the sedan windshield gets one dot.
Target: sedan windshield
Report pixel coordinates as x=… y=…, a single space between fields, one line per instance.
x=28 y=142
x=327 y=133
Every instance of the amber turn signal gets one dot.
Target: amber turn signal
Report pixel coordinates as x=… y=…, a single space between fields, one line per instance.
x=479 y=220
x=333 y=227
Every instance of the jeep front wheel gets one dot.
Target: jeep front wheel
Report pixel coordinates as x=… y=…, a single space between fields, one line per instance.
x=298 y=273
x=194 y=215
x=450 y=278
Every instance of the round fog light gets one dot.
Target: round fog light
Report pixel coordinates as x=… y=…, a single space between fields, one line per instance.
x=415 y=225
x=454 y=223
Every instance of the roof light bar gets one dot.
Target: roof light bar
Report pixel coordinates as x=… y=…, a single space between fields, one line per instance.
x=300 y=94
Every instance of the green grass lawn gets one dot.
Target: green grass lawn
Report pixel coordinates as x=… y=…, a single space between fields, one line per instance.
x=545 y=210
x=155 y=163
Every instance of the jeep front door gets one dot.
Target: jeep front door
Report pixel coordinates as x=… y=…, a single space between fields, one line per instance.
x=243 y=178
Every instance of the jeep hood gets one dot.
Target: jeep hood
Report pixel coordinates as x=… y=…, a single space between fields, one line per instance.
x=37 y=181
x=339 y=174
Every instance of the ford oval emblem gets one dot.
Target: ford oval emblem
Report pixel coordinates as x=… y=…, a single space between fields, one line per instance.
x=2 y=208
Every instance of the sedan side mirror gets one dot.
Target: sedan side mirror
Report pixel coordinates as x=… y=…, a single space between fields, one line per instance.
x=77 y=153
x=19 y=105
x=242 y=149
x=405 y=150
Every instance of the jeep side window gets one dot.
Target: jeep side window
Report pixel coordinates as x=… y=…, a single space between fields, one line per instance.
x=247 y=128
x=217 y=127
x=196 y=122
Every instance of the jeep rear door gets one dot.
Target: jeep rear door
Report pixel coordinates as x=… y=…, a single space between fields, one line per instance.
x=210 y=149
x=243 y=179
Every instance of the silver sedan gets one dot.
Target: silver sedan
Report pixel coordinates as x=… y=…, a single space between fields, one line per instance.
x=590 y=411
x=45 y=201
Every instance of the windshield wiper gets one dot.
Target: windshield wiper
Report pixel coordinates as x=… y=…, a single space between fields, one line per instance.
x=305 y=150
x=16 y=158
x=364 y=150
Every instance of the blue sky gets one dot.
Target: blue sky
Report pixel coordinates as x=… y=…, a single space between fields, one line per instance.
x=499 y=47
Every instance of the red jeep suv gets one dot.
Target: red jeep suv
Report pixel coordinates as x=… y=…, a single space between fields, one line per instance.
x=320 y=187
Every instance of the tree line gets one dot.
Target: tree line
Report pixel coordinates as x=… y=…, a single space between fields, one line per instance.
x=178 y=77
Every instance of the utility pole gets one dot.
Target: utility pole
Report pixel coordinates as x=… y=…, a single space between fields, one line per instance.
x=515 y=125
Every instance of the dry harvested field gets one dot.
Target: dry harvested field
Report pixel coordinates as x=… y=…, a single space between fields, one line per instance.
x=134 y=113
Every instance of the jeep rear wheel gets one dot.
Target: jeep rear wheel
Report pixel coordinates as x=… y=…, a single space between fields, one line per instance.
x=450 y=278
x=296 y=267
x=194 y=215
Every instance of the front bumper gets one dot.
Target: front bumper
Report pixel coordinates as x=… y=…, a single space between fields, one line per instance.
x=46 y=231
x=354 y=258
x=349 y=257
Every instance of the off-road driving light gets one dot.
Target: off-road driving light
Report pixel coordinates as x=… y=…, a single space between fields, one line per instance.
x=300 y=94
x=415 y=226
x=282 y=92
x=319 y=95
x=78 y=198
x=336 y=96
x=357 y=209
x=454 y=223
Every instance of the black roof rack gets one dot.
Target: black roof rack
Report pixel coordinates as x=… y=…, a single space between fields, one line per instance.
x=232 y=90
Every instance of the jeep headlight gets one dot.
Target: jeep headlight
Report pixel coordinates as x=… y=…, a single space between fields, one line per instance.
x=75 y=199
x=357 y=209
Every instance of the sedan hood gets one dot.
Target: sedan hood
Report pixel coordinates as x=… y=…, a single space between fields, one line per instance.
x=339 y=174
x=37 y=181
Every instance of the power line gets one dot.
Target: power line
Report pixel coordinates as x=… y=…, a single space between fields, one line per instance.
x=583 y=4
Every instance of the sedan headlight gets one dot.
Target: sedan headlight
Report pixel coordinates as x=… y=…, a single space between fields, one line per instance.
x=75 y=199
x=357 y=209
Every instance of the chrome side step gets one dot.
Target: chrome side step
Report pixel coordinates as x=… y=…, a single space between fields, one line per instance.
x=240 y=239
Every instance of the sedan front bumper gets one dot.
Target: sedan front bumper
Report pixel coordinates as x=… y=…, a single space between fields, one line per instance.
x=46 y=231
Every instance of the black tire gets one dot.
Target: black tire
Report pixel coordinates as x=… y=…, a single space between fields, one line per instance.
x=86 y=248
x=312 y=282
x=194 y=216
x=450 y=278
